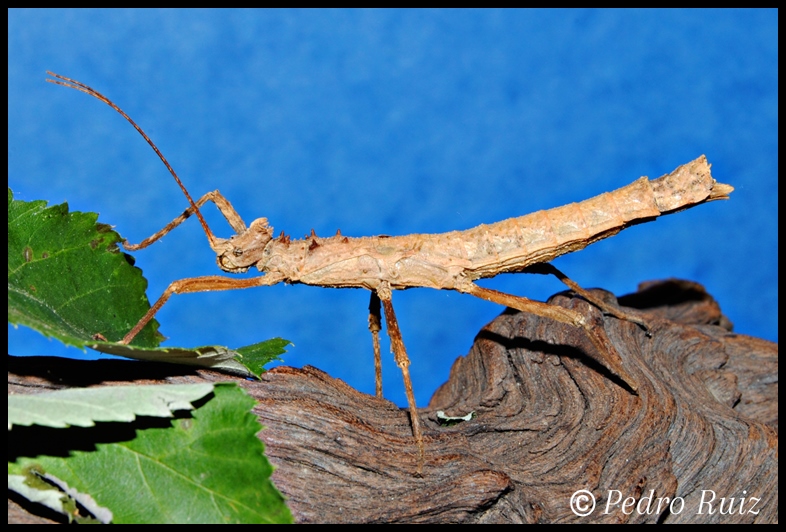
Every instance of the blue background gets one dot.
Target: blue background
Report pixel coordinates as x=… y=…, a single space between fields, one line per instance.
x=395 y=122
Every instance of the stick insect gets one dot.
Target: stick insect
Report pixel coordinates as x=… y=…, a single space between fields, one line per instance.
x=448 y=261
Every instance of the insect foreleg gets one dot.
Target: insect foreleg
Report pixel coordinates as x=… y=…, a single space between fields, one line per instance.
x=220 y=201
x=608 y=354
x=402 y=360
x=211 y=283
x=375 y=325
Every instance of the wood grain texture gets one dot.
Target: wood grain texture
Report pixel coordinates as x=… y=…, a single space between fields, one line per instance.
x=550 y=421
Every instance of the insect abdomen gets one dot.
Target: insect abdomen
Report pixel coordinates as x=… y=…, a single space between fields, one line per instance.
x=514 y=244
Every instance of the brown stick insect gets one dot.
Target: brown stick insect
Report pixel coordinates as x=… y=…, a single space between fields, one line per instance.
x=448 y=261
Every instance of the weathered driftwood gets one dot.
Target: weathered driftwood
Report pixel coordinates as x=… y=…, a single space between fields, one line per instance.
x=549 y=421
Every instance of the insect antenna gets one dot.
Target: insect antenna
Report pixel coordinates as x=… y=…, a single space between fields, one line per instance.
x=78 y=85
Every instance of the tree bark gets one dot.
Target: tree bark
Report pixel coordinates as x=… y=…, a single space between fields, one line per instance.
x=695 y=418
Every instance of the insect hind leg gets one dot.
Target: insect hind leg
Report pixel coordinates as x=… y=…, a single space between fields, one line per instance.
x=549 y=269
x=608 y=354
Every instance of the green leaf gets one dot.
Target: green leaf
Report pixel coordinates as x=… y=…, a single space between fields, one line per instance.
x=211 y=356
x=208 y=468
x=33 y=488
x=51 y=492
x=84 y=406
x=67 y=278
x=255 y=356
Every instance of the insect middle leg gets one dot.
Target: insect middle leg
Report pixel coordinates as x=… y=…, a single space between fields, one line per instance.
x=384 y=293
x=210 y=283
